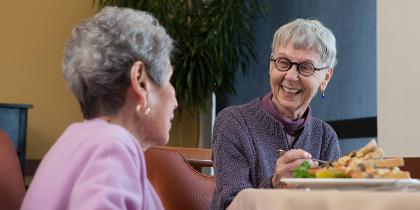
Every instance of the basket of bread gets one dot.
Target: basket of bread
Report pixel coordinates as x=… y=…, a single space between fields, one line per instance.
x=367 y=162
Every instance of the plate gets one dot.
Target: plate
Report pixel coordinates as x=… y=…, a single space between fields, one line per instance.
x=335 y=183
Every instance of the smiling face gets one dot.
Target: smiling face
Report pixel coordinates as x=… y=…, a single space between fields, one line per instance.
x=292 y=92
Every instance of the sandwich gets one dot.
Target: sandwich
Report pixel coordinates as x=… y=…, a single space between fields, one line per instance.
x=367 y=162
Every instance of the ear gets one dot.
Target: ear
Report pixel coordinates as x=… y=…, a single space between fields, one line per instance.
x=139 y=82
x=326 y=79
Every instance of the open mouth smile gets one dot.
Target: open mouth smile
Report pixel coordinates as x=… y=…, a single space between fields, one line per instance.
x=291 y=90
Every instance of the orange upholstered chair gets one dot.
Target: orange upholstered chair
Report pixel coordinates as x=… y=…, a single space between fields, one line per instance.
x=12 y=188
x=172 y=174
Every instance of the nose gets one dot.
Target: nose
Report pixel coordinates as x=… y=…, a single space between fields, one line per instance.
x=292 y=73
x=176 y=103
x=174 y=98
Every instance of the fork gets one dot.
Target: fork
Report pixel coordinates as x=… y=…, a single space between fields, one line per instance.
x=322 y=162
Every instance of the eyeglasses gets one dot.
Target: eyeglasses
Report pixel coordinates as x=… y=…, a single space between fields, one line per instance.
x=305 y=69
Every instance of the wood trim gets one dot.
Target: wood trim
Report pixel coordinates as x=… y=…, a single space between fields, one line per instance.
x=198 y=158
x=200 y=163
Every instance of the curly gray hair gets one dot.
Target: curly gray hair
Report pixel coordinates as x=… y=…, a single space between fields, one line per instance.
x=101 y=50
x=308 y=34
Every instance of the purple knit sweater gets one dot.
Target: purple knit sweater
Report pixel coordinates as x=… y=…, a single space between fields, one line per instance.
x=245 y=148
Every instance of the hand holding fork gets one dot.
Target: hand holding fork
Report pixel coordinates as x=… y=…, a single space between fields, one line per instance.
x=322 y=162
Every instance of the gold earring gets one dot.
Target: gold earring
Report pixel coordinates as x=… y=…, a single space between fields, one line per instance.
x=142 y=113
x=146 y=111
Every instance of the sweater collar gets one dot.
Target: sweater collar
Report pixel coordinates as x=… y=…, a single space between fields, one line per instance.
x=292 y=127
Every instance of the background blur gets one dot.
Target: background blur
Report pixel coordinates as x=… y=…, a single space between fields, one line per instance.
x=33 y=34
x=351 y=93
x=32 y=40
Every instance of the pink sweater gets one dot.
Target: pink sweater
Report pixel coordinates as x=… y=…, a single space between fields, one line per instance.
x=93 y=165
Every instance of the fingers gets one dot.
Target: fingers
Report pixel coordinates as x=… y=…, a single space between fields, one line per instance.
x=294 y=154
x=294 y=164
x=289 y=161
x=285 y=170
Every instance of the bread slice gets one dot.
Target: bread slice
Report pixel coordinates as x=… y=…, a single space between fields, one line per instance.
x=370 y=147
x=397 y=175
x=389 y=162
x=376 y=154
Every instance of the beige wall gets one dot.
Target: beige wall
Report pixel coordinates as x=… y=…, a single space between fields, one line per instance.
x=32 y=38
x=398 y=75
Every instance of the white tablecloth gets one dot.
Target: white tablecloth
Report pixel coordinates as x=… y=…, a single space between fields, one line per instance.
x=296 y=199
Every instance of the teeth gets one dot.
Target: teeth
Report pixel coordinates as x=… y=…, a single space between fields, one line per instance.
x=289 y=90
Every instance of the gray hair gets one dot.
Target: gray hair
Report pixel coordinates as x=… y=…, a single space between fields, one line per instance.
x=308 y=35
x=101 y=50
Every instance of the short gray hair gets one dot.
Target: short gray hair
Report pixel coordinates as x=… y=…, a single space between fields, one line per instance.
x=101 y=50
x=308 y=34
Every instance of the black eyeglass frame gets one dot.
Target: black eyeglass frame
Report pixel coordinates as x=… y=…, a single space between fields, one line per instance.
x=297 y=66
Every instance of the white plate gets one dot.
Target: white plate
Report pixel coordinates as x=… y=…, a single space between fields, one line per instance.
x=325 y=183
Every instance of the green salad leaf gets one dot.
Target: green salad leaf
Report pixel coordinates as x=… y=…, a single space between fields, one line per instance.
x=302 y=171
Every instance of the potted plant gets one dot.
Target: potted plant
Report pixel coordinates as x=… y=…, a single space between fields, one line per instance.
x=214 y=39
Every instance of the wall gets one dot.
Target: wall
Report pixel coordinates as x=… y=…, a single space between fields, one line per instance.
x=32 y=38
x=398 y=77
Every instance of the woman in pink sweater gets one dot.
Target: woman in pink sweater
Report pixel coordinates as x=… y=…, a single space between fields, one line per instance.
x=117 y=65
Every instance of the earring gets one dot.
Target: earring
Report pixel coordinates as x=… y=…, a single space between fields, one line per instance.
x=142 y=113
x=323 y=94
x=146 y=111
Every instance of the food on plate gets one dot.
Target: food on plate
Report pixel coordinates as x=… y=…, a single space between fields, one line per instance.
x=367 y=162
x=302 y=171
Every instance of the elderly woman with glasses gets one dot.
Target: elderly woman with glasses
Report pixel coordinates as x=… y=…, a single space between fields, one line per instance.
x=247 y=138
x=117 y=65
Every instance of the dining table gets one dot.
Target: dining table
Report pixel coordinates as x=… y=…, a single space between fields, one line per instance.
x=326 y=199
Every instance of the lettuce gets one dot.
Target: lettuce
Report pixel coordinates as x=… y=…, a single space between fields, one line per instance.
x=302 y=171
